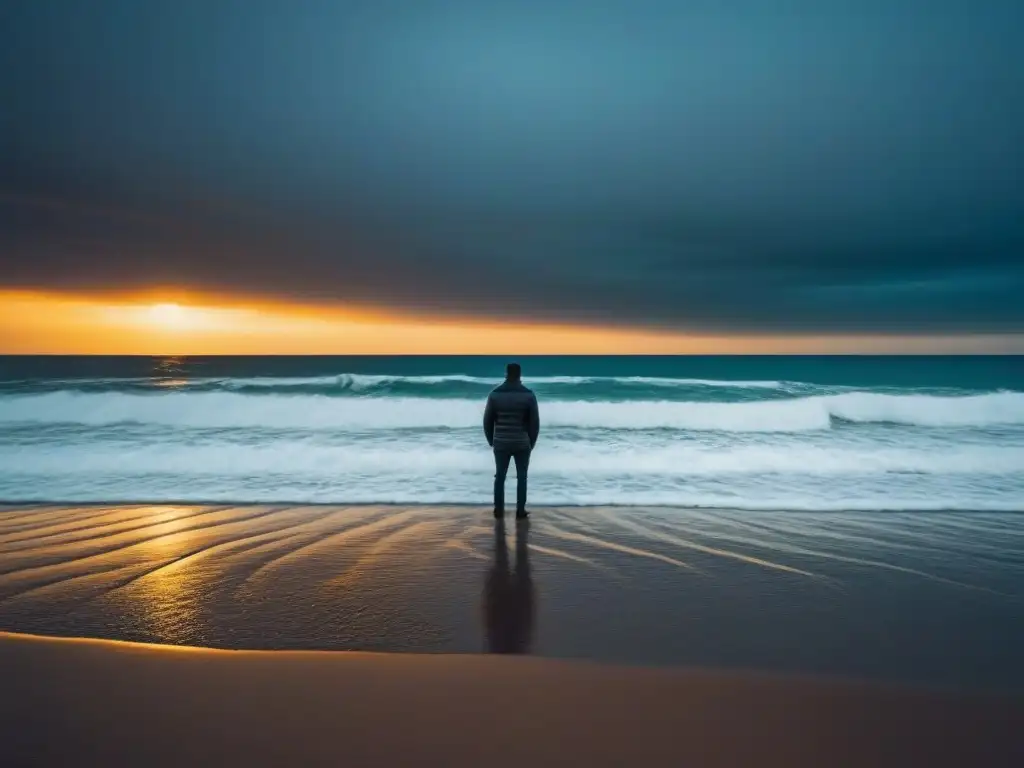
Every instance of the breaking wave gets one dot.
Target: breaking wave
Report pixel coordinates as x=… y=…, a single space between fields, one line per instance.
x=230 y=409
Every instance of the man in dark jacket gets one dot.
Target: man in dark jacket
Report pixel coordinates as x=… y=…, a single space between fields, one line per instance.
x=511 y=424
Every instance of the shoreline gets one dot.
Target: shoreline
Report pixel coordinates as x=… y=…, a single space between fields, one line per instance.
x=484 y=507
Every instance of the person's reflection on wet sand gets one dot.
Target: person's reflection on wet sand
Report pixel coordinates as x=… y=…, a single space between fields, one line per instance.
x=508 y=596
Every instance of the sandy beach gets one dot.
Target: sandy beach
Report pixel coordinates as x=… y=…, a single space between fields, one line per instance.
x=624 y=634
x=925 y=598
x=74 y=702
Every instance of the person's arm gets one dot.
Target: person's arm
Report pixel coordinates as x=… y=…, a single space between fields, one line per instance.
x=489 y=421
x=533 y=427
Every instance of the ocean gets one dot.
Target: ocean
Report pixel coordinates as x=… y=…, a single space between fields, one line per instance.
x=745 y=433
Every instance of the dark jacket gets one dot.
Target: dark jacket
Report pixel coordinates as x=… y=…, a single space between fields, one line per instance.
x=511 y=419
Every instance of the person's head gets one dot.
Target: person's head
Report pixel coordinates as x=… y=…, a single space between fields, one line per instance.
x=513 y=372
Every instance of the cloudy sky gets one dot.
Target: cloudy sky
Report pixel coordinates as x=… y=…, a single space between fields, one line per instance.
x=734 y=168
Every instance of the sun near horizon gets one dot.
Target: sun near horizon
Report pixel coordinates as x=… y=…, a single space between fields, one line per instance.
x=168 y=315
x=51 y=323
x=81 y=324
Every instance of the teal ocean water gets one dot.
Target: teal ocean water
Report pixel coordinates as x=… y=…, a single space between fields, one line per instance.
x=749 y=433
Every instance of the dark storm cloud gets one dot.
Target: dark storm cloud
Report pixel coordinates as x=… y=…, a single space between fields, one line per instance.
x=833 y=166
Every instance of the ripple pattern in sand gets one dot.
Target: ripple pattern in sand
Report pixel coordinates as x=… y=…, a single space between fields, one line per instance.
x=796 y=591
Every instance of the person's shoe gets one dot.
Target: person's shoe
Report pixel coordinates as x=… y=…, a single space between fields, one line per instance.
x=499 y=514
x=522 y=515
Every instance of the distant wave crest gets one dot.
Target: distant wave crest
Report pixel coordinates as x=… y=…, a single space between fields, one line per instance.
x=358 y=381
x=440 y=386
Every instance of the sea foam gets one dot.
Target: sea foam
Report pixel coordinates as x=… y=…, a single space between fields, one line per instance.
x=227 y=409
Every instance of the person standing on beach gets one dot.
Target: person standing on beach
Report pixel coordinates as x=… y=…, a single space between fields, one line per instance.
x=511 y=424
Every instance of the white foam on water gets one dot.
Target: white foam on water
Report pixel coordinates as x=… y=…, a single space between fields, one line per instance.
x=226 y=409
x=474 y=488
x=820 y=451
x=552 y=457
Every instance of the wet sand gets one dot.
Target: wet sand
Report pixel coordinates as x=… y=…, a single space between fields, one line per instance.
x=83 y=703
x=930 y=599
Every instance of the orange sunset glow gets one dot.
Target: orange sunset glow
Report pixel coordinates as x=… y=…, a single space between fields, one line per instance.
x=41 y=323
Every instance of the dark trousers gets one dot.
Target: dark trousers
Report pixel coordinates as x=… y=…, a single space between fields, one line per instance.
x=501 y=462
